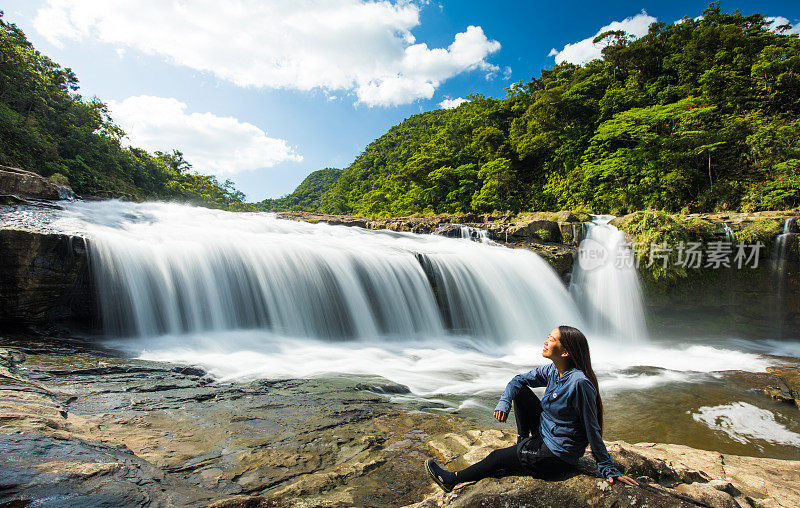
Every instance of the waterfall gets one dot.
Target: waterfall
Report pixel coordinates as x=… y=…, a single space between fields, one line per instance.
x=249 y=295
x=780 y=259
x=604 y=282
x=730 y=236
x=781 y=241
x=475 y=234
x=463 y=231
x=166 y=269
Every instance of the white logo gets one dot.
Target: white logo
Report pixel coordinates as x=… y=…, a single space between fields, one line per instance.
x=591 y=255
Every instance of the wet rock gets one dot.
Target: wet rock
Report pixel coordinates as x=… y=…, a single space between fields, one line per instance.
x=44 y=278
x=18 y=182
x=74 y=472
x=572 y=233
x=384 y=389
x=448 y=230
x=788 y=387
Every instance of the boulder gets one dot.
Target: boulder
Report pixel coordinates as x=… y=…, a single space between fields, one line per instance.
x=18 y=182
x=787 y=386
x=543 y=230
x=571 y=232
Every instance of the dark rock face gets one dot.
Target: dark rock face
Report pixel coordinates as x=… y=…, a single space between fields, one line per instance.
x=44 y=278
x=760 y=302
x=788 y=247
x=18 y=182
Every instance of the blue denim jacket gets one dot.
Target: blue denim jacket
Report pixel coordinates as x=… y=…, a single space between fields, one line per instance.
x=569 y=414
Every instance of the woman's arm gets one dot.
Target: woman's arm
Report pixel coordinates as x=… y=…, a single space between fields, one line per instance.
x=534 y=378
x=587 y=400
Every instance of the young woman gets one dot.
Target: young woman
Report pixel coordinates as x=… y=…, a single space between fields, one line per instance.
x=552 y=433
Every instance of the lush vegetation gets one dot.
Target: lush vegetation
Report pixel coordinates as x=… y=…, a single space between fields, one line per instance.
x=306 y=195
x=650 y=229
x=700 y=115
x=48 y=128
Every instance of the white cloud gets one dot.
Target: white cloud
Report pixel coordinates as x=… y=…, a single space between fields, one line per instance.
x=357 y=46
x=212 y=144
x=452 y=103
x=776 y=21
x=696 y=18
x=585 y=51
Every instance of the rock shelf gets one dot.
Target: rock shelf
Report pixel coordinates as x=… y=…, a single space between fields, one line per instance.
x=83 y=427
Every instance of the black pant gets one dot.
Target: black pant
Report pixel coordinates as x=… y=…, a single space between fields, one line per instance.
x=528 y=456
x=527 y=413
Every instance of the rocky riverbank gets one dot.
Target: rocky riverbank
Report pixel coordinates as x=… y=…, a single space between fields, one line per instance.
x=82 y=426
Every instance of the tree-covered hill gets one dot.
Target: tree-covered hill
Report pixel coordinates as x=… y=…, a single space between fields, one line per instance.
x=698 y=115
x=48 y=128
x=306 y=195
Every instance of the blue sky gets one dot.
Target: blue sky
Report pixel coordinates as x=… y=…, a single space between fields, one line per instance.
x=264 y=92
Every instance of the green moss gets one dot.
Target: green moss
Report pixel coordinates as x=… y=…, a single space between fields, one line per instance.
x=59 y=179
x=542 y=234
x=762 y=230
x=652 y=227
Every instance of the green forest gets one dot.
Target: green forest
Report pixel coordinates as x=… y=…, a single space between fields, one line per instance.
x=48 y=128
x=699 y=115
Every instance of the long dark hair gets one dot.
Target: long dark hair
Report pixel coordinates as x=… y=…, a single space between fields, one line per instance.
x=574 y=342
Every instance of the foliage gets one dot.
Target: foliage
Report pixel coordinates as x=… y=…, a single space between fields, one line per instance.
x=657 y=228
x=305 y=195
x=542 y=234
x=58 y=178
x=762 y=230
x=48 y=128
x=700 y=115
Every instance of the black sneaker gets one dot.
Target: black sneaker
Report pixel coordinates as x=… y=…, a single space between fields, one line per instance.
x=438 y=475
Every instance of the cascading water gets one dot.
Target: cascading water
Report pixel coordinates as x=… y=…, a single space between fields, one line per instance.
x=476 y=234
x=166 y=270
x=465 y=232
x=789 y=228
x=604 y=282
x=728 y=231
x=780 y=267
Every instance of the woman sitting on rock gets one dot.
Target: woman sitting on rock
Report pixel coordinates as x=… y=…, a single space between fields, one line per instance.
x=552 y=433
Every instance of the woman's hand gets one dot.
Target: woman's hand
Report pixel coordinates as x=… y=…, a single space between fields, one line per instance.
x=624 y=479
x=500 y=416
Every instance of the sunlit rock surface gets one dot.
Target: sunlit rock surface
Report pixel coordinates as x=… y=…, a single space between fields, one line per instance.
x=25 y=184
x=80 y=427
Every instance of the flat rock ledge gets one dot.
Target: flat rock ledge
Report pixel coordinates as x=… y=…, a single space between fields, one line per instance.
x=552 y=235
x=81 y=429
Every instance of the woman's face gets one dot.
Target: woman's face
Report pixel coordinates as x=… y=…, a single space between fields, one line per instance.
x=552 y=346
